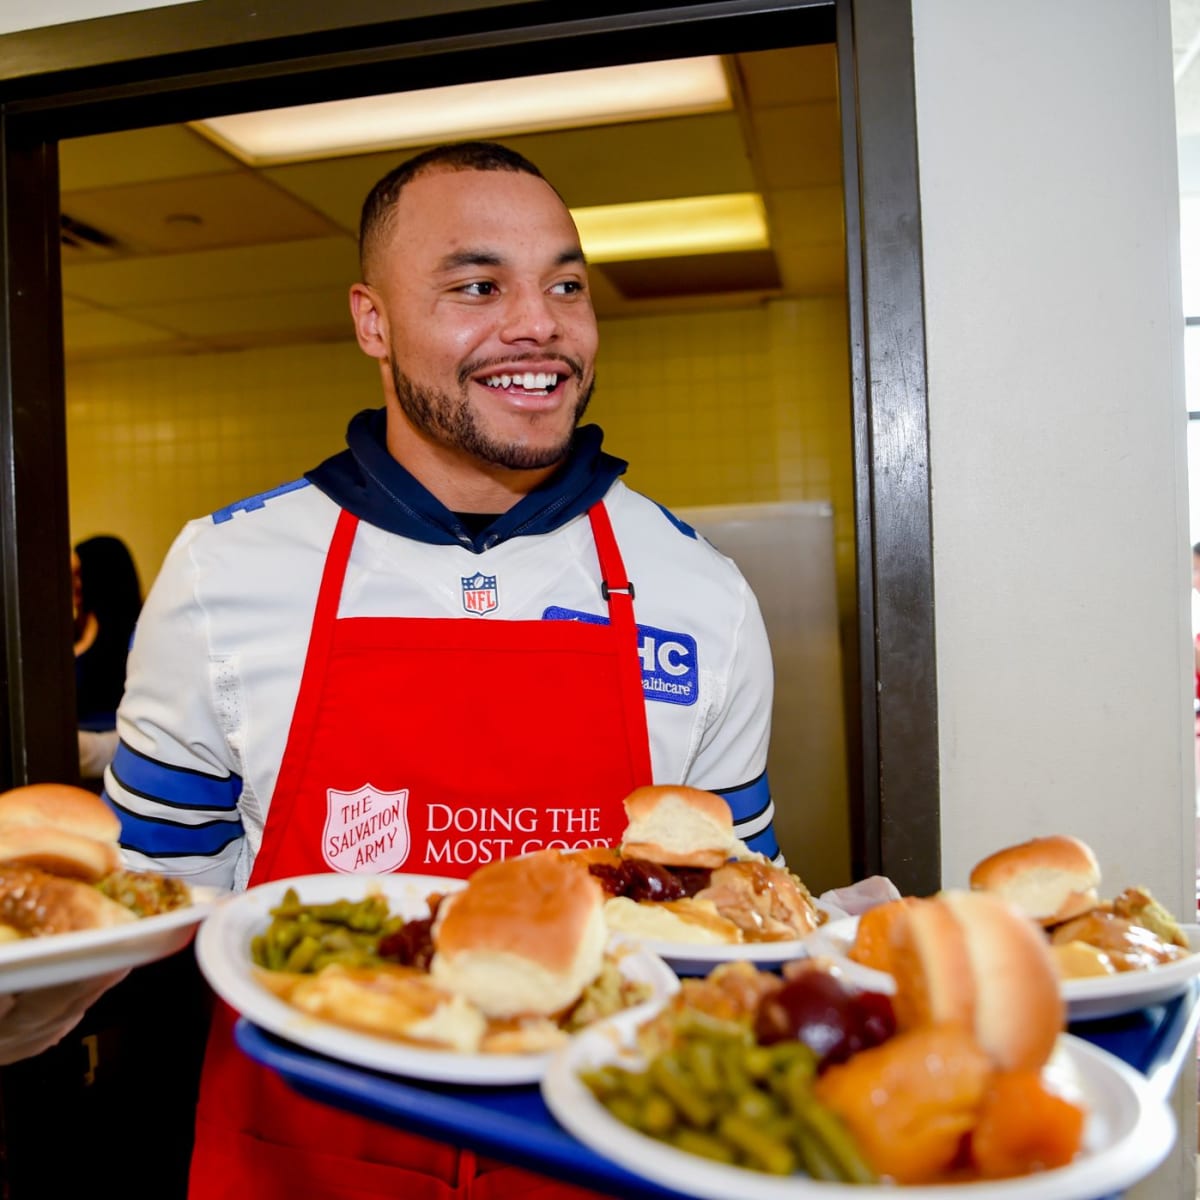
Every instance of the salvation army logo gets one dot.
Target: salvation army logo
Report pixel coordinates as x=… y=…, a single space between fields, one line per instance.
x=479 y=594
x=366 y=830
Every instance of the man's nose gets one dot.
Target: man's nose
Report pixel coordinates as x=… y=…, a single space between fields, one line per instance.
x=529 y=317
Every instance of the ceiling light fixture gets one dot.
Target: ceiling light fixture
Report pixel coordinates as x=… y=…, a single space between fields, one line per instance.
x=569 y=99
x=668 y=228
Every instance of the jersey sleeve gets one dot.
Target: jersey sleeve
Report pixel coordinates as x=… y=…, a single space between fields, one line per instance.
x=732 y=757
x=175 y=781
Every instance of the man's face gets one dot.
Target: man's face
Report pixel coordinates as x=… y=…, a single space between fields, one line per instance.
x=490 y=335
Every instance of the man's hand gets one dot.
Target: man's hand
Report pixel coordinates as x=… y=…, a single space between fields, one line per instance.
x=31 y=1022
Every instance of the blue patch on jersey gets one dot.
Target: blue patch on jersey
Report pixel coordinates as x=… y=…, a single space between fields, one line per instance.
x=670 y=669
x=254 y=502
x=682 y=526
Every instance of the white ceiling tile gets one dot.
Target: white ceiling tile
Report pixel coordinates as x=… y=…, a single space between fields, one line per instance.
x=138 y=156
x=272 y=253
x=215 y=274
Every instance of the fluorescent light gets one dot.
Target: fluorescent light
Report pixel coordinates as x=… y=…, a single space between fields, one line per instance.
x=667 y=228
x=569 y=99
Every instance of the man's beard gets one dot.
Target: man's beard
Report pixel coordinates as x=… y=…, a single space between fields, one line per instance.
x=449 y=421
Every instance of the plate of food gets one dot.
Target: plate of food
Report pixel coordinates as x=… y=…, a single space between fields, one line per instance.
x=683 y=885
x=465 y=982
x=68 y=911
x=801 y=1085
x=1113 y=956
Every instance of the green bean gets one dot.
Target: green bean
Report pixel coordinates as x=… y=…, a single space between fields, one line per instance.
x=737 y=1081
x=719 y=1094
x=695 y=1142
x=700 y=1058
x=756 y=1106
x=308 y=937
x=665 y=1071
x=815 y=1157
x=758 y=1062
x=764 y=1152
x=624 y=1109
x=657 y=1116
x=302 y=954
x=604 y=1082
x=836 y=1140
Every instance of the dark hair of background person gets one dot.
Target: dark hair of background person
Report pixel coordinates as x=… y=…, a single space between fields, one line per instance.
x=112 y=593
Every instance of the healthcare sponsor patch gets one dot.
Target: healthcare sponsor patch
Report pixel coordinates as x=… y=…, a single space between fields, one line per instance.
x=670 y=667
x=479 y=595
x=366 y=830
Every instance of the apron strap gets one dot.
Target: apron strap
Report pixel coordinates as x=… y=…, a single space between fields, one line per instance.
x=617 y=589
x=320 y=639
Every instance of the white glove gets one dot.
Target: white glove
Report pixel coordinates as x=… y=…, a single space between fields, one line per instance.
x=31 y=1022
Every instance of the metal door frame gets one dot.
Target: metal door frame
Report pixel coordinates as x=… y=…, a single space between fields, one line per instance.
x=212 y=56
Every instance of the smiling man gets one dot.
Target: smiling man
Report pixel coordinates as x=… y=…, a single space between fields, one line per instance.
x=484 y=333
x=460 y=639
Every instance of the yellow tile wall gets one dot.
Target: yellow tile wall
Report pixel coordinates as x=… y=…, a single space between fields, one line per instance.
x=153 y=442
x=720 y=407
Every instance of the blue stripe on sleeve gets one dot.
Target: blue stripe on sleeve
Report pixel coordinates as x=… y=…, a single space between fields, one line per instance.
x=764 y=843
x=163 y=839
x=748 y=801
x=178 y=787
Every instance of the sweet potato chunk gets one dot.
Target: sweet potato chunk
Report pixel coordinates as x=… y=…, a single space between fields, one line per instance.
x=911 y=1101
x=872 y=939
x=1023 y=1127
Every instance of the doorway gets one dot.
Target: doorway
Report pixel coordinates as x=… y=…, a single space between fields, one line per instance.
x=896 y=813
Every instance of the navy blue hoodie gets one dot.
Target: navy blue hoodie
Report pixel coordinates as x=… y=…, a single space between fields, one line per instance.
x=370 y=483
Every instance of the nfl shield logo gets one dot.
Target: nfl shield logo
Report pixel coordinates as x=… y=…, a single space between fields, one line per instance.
x=479 y=594
x=366 y=830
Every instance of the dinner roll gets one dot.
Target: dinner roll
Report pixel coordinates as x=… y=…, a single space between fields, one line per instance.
x=680 y=826
x=1049 y=878
x=975 y=959
x=525 y=936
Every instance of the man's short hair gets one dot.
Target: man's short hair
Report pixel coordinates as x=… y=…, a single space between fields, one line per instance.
x=379 y=208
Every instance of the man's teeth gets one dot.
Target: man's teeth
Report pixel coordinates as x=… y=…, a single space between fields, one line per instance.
x=531 y=381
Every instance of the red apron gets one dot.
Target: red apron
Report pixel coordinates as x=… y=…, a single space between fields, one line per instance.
x=430 y=745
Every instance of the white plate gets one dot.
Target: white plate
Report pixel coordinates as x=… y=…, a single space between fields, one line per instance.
x=223 y=952
x=1086 y=999
x=69 y=957
x=694 y=958
x=688 y=958
x=1127 y=1134
x=1110 y=995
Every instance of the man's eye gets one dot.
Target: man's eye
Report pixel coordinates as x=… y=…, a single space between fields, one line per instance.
x=568 y=287
x=481 y=288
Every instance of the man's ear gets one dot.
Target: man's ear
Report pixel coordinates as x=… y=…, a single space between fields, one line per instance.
x=370 y=324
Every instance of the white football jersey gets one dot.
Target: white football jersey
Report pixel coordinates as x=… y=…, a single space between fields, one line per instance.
x=216 y=660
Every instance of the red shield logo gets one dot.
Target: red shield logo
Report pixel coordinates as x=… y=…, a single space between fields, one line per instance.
x=366 y=830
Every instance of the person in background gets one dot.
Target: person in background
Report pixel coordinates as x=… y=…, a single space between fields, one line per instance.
x=107 y=601
x=467 y=607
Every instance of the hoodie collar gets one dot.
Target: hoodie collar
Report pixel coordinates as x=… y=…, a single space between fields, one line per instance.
x=367 y=481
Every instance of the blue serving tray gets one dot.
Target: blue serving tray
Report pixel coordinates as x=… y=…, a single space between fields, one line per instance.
x=513 y=1123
